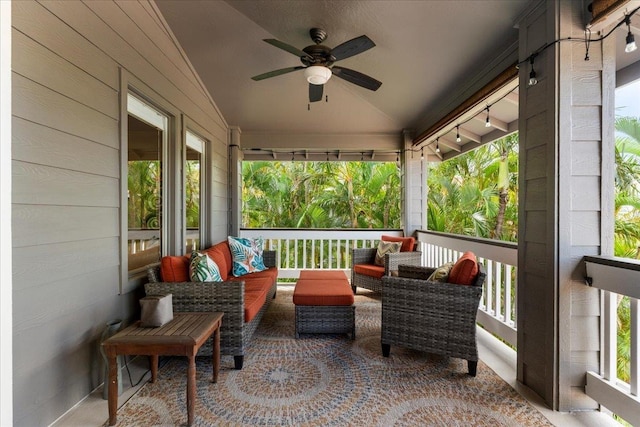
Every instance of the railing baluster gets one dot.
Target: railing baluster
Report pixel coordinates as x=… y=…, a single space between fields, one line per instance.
x=609 y=336
x=499 y=290
x=508 y=317
x=489 y=290
x=634 y=305
x=330 y=253
x=304 y=254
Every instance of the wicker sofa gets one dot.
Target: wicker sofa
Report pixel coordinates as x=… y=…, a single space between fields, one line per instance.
x=243 y=300
x=366 y=274
x=434 y=317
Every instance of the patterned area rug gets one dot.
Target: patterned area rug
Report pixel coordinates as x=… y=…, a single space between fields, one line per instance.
x=330 y=380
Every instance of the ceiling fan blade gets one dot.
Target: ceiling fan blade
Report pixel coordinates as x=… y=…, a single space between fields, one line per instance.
x=352 y=47
x=356 y=78
x=284 y=46
x=315 y=93
x=276 y=73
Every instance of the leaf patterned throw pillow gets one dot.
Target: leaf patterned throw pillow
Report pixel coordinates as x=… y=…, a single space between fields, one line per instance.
x=247 y=255
x=203 y=269
x=441 y=274
x=384 y=248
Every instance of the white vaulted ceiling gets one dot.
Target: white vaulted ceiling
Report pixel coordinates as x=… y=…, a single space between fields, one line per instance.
x=429 y=55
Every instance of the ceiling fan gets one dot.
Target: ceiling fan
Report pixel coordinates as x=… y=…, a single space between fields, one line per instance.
x=318 y=62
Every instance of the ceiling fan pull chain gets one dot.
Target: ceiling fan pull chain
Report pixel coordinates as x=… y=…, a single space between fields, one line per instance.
x=326 y=98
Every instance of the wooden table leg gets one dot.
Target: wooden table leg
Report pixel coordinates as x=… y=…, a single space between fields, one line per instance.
x=153 y=360
x=216 y=354
x=113 y=389
x=191 y=388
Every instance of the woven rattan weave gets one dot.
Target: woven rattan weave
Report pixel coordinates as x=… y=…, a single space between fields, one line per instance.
x=368 y=256
x=434 y=317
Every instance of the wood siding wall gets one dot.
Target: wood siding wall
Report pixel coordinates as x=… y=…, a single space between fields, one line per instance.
x=564 y=167
x=67 y=58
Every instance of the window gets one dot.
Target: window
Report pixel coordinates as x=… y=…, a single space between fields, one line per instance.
x=147 y=148
x=195 y=147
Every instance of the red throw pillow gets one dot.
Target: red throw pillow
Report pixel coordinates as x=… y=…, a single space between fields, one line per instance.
x=408 y=243
x=465 y=270
x=174 y=268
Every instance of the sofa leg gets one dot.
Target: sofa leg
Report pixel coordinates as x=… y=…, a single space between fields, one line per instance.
x=473 y=367
x=386 y=349
x=238 y=361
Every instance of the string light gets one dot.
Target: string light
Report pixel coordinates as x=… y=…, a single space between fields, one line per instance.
x=631 y=41
x=532 y=75
x=437 y=145
x=422 y=153
x=630 y=46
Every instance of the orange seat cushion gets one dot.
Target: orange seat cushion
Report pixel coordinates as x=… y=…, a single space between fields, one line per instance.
x=369 y=270
x=323 y=275
x=408 y=243
x=175 y=268
x=269 y=273
x=261 y=284
x=322 y=292
x=253 y=302
x=465 y=270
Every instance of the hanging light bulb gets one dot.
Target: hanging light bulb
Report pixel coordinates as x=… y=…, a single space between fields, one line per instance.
x=532 y=75
x=487 y=123
x=458 y=139
x=437 y=145
x=422 y=153
x=631 y=41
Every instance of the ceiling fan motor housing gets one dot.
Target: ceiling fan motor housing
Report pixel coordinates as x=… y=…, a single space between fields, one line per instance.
x=318 y=55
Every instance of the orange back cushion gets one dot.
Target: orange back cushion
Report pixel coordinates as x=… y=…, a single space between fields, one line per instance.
x=221 y=254
x=408 y=243
x=465 y=270
x=174 y=268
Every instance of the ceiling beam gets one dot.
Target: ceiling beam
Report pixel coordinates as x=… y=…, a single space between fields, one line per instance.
x=451 y=144
x=504 y=78
x=512 y=97
x=495 y=123
x=470 y=135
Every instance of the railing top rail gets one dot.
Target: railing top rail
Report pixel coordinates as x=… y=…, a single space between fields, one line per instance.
x=319 y=233
x=492 y=242
x=612 y=261
x=500 y=251
x=619 y=275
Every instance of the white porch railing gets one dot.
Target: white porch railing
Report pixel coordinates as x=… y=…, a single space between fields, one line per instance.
x=617 y=278
x=497 y=312
x=315 y=249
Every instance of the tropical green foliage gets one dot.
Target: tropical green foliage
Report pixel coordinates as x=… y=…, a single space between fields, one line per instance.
x=476 y=194
x=627 y=223
x=143 y=194
x=320 y=194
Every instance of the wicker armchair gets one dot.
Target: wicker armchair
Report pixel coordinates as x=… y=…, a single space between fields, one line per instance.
x=434 y=317
x=367 y=256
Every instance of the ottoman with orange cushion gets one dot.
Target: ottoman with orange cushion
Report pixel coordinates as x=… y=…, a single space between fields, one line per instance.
x=324 y=303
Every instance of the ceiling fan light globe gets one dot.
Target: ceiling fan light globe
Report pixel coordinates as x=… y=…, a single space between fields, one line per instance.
x=317 y=74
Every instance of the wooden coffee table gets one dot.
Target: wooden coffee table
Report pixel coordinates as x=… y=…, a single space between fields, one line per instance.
x=183 y=336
